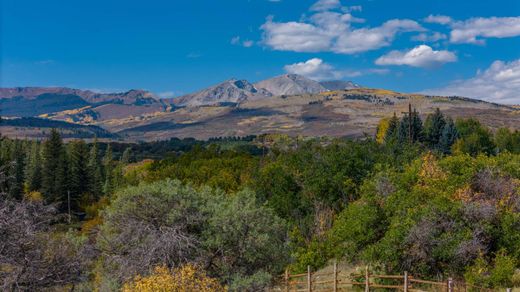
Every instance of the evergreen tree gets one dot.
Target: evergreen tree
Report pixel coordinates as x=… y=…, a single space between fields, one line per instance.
x=16 y=171
x=127 y=156
x=95 y=171
x=78 y=172
x=416 y=127
x=108 y=170
x=54 y=170
x=448 y=137
x=33 y=170
x=433 y=127
x=393 y=128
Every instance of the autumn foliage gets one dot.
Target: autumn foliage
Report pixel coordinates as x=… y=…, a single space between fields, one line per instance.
x=184 y=279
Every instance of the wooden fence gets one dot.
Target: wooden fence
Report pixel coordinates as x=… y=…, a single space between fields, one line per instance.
x=338 y=280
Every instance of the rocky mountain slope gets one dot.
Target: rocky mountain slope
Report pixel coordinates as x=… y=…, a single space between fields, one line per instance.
x=288 y=104
x=228 y=92
x=290 y=84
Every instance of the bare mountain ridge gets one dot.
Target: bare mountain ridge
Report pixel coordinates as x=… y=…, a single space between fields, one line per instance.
x=235 y=91
x=129 y=97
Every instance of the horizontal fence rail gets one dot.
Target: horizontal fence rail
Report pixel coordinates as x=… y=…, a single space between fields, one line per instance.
x=338 y=280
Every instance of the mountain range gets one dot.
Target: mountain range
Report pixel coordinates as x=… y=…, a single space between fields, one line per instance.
x=289 y=103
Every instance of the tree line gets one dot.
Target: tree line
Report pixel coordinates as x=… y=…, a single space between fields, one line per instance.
x=61 y=173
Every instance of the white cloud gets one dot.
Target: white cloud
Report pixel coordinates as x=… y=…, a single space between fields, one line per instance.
x=332 y=32
x=474 y=29
x=440 y=19
x=499 y=83
x=367 y=39
x=317 y=69
x=324 y=5
x=314 y=69
x=420 y=56
x=431 y=37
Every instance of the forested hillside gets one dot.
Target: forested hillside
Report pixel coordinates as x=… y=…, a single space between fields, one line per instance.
x=435 y=197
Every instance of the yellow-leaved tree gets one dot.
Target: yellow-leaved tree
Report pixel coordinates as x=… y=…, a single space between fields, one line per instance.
x=187 y=278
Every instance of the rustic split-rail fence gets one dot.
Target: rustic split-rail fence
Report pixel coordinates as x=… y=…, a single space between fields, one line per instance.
x=339 y=280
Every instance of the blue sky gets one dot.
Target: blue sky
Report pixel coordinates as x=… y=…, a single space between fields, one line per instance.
x=175 y=47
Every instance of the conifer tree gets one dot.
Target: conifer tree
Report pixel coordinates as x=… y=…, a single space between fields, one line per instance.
x=54 y=170
x=33 y=170
x=95 y=171
x=392 y=131
x=127 y=156
x=448 y=136
x=108 y=170
x=16 y=171
x=78 y=172
x=416 y=127
x=433 y=127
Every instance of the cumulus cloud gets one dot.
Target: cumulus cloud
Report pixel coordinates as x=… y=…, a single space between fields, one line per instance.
x=420 y=56
x=323 y=5
x=332 y=32
x=440 y=19
x=499 y=83
x=314 y=69
x=317 y=69
x=474 y=29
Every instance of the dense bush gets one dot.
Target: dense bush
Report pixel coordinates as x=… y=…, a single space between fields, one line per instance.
x=166 y=223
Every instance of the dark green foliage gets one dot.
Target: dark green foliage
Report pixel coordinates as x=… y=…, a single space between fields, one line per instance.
x=16 y=171
x=108 y=165
x=232 y=236
x=33 y=171
x=448 y=137
x=79 y=178
x=506 y=140
x=128 y=156
x=473 y=138
x=433 y=129
x=54 y=170
x=403 y=132
x=393 y=128
x=95 y=171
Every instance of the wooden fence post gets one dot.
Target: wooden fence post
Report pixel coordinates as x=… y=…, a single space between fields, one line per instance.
x=286 y=280
x=309 y=281
x=367 y=280
x=450 y=285
x=405 y=281
x=335 y=287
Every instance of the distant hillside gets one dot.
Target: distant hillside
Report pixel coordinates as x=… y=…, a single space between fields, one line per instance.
x=34 y=101
x=36 y=128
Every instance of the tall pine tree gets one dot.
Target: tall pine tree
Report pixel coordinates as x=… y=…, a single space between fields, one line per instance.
x=416 y=128
x=54 y=170
x=433 y=127
x=16 y=170
x=448 y=137
x=95 y=171
x=33 y=170
x=78 y=172
x=108 y=165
